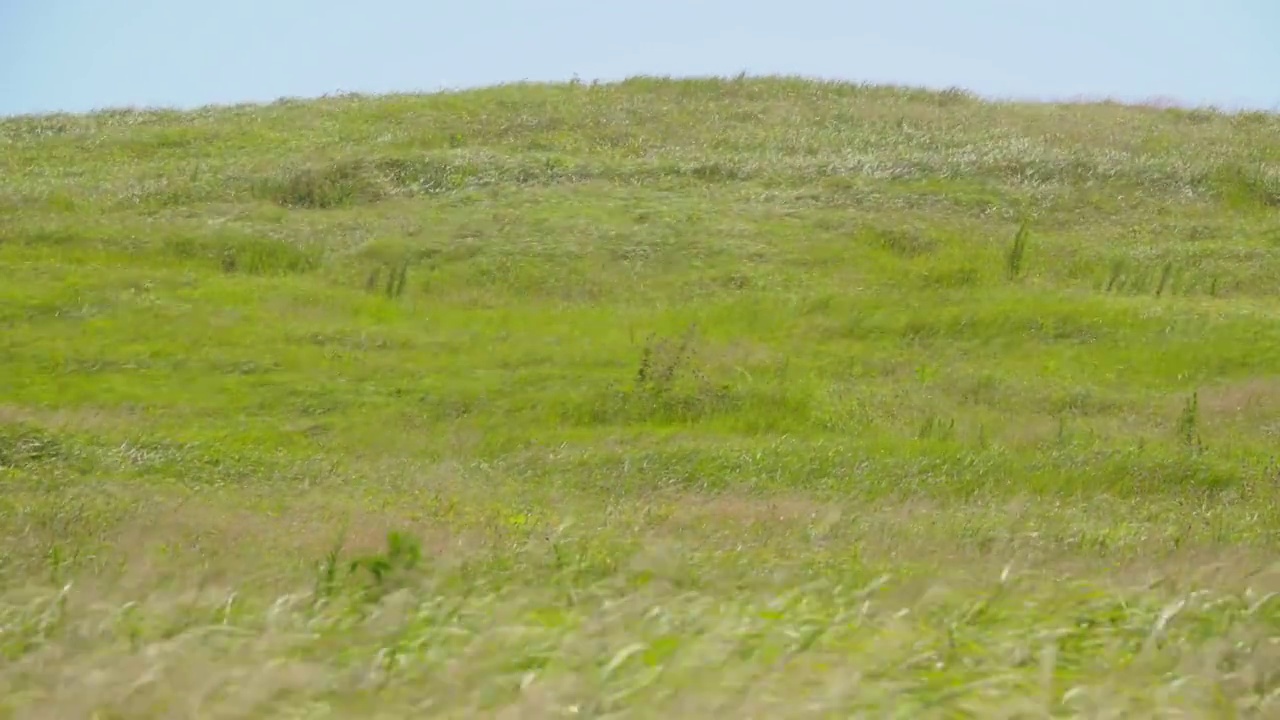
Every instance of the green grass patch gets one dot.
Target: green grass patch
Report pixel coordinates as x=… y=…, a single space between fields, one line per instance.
x=756 y=396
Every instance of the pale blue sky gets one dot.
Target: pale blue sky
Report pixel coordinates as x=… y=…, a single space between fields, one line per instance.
x=86 y=54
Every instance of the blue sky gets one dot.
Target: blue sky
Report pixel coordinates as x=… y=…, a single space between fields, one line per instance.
x=85 y=54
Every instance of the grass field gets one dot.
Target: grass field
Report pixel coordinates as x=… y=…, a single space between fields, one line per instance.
x=757 y=398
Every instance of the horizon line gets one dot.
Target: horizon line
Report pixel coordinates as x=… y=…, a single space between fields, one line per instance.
x=1151 y=102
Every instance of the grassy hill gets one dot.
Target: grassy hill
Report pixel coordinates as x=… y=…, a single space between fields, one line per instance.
x=753 y=397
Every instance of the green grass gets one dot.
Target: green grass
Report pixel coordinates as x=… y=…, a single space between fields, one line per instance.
x=745 y=398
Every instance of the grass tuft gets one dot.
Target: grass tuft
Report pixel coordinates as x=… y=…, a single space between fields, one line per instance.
x=1018 y=251
x=319 y=188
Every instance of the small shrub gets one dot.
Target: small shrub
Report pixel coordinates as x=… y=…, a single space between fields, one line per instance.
x=667 y=387
x=387 y=571
x=660 y=363
x=330 y=186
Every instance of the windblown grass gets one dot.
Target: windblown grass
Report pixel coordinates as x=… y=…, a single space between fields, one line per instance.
x=754 y=398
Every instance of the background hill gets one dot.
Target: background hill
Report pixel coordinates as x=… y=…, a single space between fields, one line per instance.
x=756 y=395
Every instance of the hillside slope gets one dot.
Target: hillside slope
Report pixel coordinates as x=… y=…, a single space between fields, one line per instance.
x=674 y=394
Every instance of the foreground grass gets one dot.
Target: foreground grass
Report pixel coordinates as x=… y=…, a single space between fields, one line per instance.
x=761 y=397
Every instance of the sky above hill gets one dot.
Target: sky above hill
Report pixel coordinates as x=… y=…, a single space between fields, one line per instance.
x=85 y=54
